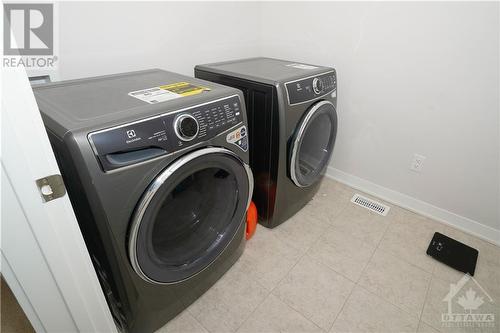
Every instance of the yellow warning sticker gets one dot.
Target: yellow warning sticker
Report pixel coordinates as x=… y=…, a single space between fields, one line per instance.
x=184 y=88
x=167 y=92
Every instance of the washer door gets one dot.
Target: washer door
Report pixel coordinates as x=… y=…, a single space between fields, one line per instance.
x=313 y=143
x=189 y=214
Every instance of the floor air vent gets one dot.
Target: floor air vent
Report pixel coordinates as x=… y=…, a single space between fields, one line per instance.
x=370 y=204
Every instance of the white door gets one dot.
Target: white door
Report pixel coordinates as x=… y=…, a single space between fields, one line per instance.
x=44 y=258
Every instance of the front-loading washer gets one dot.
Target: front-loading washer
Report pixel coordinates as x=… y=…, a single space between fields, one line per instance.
x=156 y=168
x=292 y=121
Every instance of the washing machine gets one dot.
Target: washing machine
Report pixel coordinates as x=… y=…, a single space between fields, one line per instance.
x=156 y=168
x=292 y=122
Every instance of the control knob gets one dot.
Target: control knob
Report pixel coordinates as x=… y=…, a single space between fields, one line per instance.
x=318 y=85
x=186 y=127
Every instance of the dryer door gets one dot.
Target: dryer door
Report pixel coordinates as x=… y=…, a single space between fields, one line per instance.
x=189 y=214
x=313 y=143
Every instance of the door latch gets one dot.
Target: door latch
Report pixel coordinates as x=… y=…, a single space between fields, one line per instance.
x=51 y=187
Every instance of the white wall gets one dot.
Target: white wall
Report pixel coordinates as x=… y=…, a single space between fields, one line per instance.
x=413 y=78
x=98 y=38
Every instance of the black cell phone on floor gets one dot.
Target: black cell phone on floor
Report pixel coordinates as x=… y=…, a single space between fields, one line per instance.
x=453 y=253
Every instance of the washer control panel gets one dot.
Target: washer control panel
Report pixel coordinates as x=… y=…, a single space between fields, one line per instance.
x=166 y=133
x=310 y=88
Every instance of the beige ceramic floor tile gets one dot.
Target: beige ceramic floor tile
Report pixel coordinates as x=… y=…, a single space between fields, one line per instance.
x=225 y=306
x=183 y=323
x=330 y=201
x=396 y=281
x=436 y=305
x=315 y=291
x=329 y=186
x=275 y=316
x=267 y=259
x=409 y=236
x=366 y=312
x=341 y=252
x=301 y=230
x=362 y=224
x=310 y=291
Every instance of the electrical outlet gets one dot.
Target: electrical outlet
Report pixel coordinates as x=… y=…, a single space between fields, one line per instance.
x=417 y=163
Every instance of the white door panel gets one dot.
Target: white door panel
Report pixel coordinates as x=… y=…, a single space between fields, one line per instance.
x=42 y=242
x=23 y=256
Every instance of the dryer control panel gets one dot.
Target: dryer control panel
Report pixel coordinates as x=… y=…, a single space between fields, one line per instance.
x=163 y=134
x=303 y=90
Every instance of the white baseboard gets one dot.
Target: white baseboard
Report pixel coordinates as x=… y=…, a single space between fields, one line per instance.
x=417 y=206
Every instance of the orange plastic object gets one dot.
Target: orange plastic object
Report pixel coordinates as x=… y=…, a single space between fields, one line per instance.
x=251 y=220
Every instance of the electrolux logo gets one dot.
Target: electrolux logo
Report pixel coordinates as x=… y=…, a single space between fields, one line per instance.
x=131 y=134
x=29 y=35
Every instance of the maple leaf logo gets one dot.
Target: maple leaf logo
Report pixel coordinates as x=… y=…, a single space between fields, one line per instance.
x=470 y=301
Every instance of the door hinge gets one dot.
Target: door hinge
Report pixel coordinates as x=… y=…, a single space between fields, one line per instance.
x=51 y=187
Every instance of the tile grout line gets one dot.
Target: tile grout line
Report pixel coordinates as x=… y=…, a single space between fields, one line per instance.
x=199 y=323
x=324 y=227
x=390 y=302
x=406 y=261
x=251 y=313
x=342 y=307
x=271 y=293
x=360 y=275
x=431 y=273
x=304 y=254
x=356 y=283
x=373 y=254
x=381 y=297
x=394 y=305
x=255 y=309
x=425 y=302
x=300 y=313
x=329 y=226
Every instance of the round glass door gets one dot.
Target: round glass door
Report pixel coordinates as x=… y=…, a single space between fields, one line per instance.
x=189 y=214
x=313 y=144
